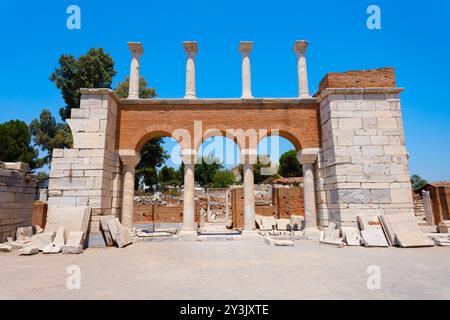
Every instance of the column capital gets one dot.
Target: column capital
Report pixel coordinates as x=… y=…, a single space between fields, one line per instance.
x=136 y=48
x=129 y=158
x=189 y=156
x=190 y=47
x=308 y=156
x=300 y=46
x=245 y=47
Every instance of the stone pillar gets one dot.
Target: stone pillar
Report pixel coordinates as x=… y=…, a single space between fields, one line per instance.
x=189 y=227
x=248 y=158
x=136 y=51
x=307 y=157
x=191 y=49
x=245 y=47
x=130 y=160
x=300 y=50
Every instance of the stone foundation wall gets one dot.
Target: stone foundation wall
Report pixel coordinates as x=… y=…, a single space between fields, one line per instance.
x=17 y=193
x=363 y=164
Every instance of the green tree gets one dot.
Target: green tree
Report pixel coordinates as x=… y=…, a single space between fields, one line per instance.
x=144 y=92
x=417 y=182
x=152 y=157
x=42 y=176
x=223 y=179
x=259 y=176
x=206 y=169
x=168 y=175
x=289 y=165
x=48 y=134
x=95 y=69
x=15 y=139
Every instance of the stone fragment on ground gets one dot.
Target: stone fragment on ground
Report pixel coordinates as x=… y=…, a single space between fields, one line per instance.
x=338 y=242
x=296 y=222
x=106 y=233
x=123 y=237
x=278 y=242
x=72 y=249
x=28 y=250
x=374 y=237
x=41 y=240
x=24 y=233
x=5 y=247
x=283 y=224
x=351 y=236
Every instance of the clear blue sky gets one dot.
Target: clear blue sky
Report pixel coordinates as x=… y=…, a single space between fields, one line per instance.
x=414 y=39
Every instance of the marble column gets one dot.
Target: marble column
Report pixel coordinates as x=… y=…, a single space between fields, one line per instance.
x=130 y=160
x=189 y=226
x=245 y=47
x=307 y=157
x=248 y=158
x=300 y=50
x=191 y=49
x=136 y=51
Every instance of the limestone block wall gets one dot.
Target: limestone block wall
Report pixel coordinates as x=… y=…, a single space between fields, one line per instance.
x=17 y=193
x=89 y=174
x=363 y=163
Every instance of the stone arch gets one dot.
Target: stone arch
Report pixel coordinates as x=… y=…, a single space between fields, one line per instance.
x=292 y=138
x=219 y=133
x=209 y=133
x=151 y=132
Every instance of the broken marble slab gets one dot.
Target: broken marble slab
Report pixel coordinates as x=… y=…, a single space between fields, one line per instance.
x=329 y=231
x=265 y=223
x=58 y=242
x=407 y=239
x=5 y=247
x=279 y=243
x=338 y=242
x=113 y=227
x=369 y=222
x=388 y=230
x=351 y=236
x=153 y=234
x=106 y=233
x=24 y=233
x=373 y=237
x=297 y=222
x=72 y=249
x=75 y=238
x=283 y=224
x=41 y=240
x=72 y=218
x=123 y=237
x=28 y=250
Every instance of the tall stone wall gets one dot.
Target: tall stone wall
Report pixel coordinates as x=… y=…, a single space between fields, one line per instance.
x=363 y=163
x=17 y=193
x=89 y=174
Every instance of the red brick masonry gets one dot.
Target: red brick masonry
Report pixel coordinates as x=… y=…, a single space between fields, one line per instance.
x=377 y=78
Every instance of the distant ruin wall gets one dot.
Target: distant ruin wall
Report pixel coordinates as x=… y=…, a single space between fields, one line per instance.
x=17 y=193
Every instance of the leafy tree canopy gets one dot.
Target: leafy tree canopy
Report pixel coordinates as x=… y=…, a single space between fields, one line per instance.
x=289 y=165
x=205 y=171
x=95 y=69
x=153 y=156
x=50 y=135
x=15 y=138
x=259 y=175
x=417 y=182
x=144 y=92
x=223 y=179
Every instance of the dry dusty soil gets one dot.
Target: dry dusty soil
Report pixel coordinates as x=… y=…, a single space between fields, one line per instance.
x=243 y=269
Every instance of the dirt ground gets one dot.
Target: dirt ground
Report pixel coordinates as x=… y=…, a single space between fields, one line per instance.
x=244 y=269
